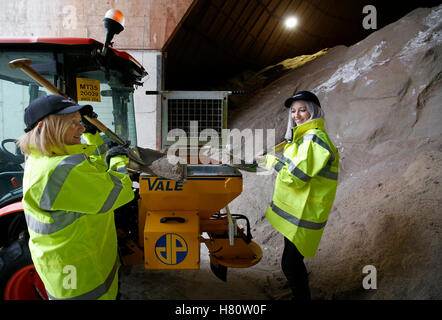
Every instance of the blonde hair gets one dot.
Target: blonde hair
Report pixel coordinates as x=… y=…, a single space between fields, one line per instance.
x=51 y=134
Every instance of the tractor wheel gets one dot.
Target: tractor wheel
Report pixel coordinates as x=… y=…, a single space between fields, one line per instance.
x=18 y=278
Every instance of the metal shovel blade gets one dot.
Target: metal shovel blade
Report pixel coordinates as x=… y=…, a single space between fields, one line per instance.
x=148 y=156
x=156 y=163
x=227 y=158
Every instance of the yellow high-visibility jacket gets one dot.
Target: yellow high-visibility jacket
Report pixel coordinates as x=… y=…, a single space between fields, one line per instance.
x=305 y=186
x=68 y=200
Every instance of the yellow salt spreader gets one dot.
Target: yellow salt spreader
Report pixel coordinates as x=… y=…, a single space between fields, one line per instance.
x=175 y=217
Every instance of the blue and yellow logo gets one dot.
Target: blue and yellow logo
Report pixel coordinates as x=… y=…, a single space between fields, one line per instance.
x=171 y=248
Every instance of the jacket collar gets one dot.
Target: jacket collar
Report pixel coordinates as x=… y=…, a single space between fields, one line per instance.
x=70 y=149
x=300 y=130
x=76 y=149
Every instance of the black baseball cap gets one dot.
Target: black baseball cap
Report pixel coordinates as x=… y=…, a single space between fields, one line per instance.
x=302 y=95
x=46 y=105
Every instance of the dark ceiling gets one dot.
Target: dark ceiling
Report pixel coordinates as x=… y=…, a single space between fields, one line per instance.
x=218 y=39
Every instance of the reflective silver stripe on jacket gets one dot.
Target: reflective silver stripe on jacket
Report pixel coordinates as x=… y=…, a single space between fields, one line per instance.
x=297 y=222
x=325 y=172
x=101 y=149
x=61 y=219
x=298 y=172
x=113 y=195
x=321 y=142
x=98 y=291
x=60 y=174
x=57 y=178
x=122 y=170
x=279 y=165
x=293 y=169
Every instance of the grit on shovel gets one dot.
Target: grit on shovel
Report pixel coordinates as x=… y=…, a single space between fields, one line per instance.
x=141 y=159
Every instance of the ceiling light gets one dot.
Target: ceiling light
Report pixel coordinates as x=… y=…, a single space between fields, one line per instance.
x=291 y=22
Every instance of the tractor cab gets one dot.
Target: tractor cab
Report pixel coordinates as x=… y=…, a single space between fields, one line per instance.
x=89 y=72
x=77 y=67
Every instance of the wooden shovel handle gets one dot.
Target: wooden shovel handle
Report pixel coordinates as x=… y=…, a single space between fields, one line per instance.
x=25 y=65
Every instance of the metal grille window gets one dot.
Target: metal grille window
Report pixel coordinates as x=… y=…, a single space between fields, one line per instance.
x=193 y=112
x=208 y=113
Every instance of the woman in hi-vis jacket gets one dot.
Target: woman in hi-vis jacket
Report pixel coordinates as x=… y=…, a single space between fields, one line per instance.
x=69 y=193
x=305 y=188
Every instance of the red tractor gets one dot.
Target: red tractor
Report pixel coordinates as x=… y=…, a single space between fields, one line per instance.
x=82 y=68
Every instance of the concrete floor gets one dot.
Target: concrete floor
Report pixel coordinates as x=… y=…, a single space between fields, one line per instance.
x=259 y=282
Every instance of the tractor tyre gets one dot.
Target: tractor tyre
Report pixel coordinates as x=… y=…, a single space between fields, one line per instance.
x=18 y=278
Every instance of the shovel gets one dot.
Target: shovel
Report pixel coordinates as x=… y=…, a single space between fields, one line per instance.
x=240 y=163
x=141 y=159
